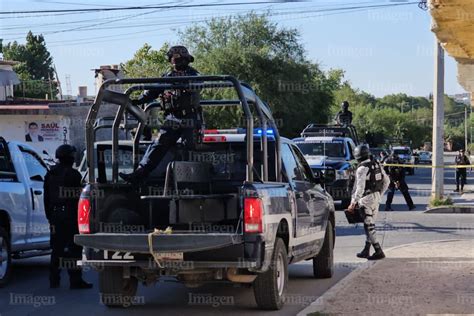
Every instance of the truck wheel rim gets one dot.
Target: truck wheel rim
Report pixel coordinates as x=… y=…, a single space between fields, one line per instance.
x=280 y=270
x=4 y=259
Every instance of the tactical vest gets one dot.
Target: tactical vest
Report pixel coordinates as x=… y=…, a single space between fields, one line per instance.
x=374 y=183
x=183 y=103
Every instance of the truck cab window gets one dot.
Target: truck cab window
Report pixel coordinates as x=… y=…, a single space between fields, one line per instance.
x=291 y=166
x=351 y=147
x=306 y=172
x=34 y=165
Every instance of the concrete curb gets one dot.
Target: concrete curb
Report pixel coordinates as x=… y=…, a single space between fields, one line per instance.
x=456 y=209
x=316 y=306
x=422 y=242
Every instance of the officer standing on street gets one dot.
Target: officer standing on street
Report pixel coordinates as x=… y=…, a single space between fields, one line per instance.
x=62 y=186
x=183 y=115
x=461 y=173
x=344 y=116
x=370 y=184
x=397 y=182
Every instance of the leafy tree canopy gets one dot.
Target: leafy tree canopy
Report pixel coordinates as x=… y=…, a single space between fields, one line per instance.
x=36 y=65
x=272 y=60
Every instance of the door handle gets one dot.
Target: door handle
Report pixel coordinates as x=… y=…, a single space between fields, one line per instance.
x=38 y=192
x=32 y=200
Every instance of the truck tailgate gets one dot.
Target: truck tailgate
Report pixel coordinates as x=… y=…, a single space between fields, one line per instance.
x=138 y=243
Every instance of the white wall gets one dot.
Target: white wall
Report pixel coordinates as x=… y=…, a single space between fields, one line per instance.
x=50 y=127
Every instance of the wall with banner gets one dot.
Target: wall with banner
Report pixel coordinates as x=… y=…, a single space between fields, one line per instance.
x=43 y=132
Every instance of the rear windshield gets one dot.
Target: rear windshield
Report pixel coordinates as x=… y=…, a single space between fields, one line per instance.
x=323 y=149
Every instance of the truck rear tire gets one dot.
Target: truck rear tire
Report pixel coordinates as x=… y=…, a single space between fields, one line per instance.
x=5 y=258
x=323 y=263
x=270 y=287
x=115 y=290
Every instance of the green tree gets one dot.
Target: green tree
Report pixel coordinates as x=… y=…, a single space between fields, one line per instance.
x=355 y=97
x=147 y=62
x=272 y=60
x=35 y=68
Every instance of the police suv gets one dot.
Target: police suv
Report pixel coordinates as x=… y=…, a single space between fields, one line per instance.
x=329 y=150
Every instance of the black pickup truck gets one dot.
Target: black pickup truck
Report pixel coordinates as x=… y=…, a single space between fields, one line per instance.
x=240 y=207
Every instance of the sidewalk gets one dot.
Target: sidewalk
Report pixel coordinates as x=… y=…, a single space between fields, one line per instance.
x=466 y=199
x=419 y=278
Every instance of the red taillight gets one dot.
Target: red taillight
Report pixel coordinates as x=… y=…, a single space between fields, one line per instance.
x=253 y=215
x=214 y=139
x=83 y=213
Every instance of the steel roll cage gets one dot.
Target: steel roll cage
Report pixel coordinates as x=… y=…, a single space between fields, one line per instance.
x=244 y=92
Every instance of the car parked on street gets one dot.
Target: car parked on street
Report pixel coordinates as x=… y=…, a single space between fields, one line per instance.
x=239 y=207
x=24 y=229
x=424 y=157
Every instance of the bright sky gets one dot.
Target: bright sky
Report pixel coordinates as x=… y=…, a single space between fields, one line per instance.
x=382 y=50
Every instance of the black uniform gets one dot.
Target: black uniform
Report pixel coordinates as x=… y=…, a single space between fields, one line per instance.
x=183 y=119
x=62 y=187
x=344 y=117
x=397 y=181
x=461 y=173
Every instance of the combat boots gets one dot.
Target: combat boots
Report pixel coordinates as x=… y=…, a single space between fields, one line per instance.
x=378 y=254
x=365 y=252
x=135 y=177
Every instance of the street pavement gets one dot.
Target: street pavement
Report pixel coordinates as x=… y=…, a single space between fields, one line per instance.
x=28 y=292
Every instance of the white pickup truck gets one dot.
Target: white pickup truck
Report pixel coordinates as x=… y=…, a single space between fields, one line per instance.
x=24 y=229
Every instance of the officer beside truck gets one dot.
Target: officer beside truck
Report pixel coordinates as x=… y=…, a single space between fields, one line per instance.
x=62 y=186
x=371 y=182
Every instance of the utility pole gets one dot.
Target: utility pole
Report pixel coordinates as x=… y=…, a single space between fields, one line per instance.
x=465 y=128
x=470 y=129
x=437 y=186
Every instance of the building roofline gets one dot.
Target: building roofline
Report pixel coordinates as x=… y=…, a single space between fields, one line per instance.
x=9 y=62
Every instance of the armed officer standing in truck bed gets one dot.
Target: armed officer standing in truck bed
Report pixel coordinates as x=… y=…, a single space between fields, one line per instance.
x=344 y=116
x=183 y=115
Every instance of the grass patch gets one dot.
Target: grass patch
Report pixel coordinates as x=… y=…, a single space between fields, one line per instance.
x=441 y=202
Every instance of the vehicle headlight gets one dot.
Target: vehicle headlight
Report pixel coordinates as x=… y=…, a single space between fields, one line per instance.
x=343 y=174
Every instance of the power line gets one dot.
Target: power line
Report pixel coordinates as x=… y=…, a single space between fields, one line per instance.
x=12 y=27
x=336 y=10
x=90 y=40
x=140 y=7
x=76 y=3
